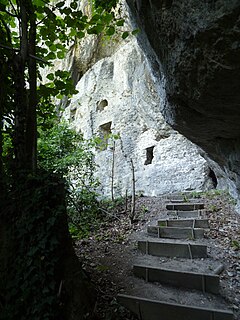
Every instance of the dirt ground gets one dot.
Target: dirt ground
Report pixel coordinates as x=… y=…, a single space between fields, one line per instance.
x=108 y=254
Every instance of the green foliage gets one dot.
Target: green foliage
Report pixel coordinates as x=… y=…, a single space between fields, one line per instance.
x=49 y=29
x=195 y=194
x=63 y=151
x=106 y=5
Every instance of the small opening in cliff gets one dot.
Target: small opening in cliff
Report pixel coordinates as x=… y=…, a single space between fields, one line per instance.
x=101 y=105
x=149 y=155
x=73 y=113
x=104 y=133
x=212 y=176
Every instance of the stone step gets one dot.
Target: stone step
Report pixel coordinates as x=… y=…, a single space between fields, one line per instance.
x=182 y=200
x=192 y=280
x=191 y=223
x=206 y=265
x=185 y=206
x=176 y=233
x=173 y=249
x=147 y=309
x=192 y=214
x=183 y=197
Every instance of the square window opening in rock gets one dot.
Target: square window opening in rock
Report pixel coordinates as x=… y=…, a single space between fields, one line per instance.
x=104 y=133
x=149 y=155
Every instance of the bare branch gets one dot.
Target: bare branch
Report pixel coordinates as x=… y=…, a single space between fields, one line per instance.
x=10 y=14
x=7 y=47
x=39 y=59
x=39 y=22
x=14 y=9
x=30 y=55
x=221 y=65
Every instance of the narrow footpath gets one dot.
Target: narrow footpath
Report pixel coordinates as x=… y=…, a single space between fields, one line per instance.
x=176 y=237
x=179 y=260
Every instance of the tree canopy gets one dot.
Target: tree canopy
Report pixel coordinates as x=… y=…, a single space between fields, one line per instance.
x=33 y=34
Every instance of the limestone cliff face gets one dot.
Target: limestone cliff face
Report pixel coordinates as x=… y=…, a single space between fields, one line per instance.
x=197 y=46
x=118 y=95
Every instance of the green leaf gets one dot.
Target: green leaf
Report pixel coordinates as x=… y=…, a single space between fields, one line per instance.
x=60 y=4
x=136 y=31
x=84 y=18
x=58 y=73
x=59 y=96
x=50 y=76
x=51 y=56
x=12 y=23
x=81 y=34
x=59 y=84
x=96 y=29
x=107 y=18
x=53 y=47
x=120 y=23
x=60 y=46
x=95 y=18
x=73 y=33
x=125 y=34
x=73 y=5
x=110 y=31
x=61 y=54
x=38 y=3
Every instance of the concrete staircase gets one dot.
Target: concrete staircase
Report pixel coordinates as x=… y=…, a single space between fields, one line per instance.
x=176 y=238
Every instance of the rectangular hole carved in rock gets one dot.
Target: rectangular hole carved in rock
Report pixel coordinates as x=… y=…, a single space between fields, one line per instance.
x=149 y=155
x=73 y=113
x=104 y=133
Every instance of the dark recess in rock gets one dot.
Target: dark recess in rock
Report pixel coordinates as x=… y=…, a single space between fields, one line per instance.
x=149 y=155
x=213 y=177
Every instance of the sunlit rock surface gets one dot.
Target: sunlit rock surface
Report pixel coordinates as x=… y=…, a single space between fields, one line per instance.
x=118 y=95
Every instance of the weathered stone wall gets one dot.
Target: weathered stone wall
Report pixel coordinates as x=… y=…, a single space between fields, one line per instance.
x=197 y=46
x=118 y=95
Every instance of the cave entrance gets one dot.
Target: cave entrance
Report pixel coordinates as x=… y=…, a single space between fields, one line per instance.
x=213 y=177
x=149 y=155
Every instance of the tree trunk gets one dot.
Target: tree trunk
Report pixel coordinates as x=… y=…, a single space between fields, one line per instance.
x=132 y=214
x=2 y=98
x=113 y=166
x=31 y=122
x=20 y=92
x=36 y=238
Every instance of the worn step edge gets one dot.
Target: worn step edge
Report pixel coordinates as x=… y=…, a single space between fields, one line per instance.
x=189 y=214
x=192 y=280
x=184 y=206
x=147 y=309
x=196 y=223
x=170 y=249
x=174 y=200
x=176 y=233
